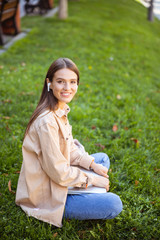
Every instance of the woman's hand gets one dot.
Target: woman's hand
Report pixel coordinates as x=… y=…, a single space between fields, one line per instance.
x=99 y=169
x=99 y=181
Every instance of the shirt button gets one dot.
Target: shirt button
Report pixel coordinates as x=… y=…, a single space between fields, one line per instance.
x=66 y=138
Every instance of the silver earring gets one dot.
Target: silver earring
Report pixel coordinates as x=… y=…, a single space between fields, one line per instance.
x=48 y=86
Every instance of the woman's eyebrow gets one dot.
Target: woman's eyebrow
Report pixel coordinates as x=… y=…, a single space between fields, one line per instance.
x=66 y=79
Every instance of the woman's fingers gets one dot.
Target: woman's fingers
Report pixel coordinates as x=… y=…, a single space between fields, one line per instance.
x=101 y=182
x=107 y=188
x=104 y=174
x=99 y=169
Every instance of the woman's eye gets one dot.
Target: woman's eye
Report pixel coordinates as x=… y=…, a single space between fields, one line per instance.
x=59 y=81
x=73 y=82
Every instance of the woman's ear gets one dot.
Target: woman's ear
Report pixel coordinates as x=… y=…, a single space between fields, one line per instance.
x=48 y=84
x=47 y=80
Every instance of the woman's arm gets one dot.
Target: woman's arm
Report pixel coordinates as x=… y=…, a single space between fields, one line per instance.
x=79 y=145
x=78 y=155
x=77 y=148
x=54 y=163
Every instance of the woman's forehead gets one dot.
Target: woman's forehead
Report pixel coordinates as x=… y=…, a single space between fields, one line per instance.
x=65 y=73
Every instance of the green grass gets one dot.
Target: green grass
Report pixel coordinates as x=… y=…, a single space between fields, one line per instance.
x=118 y=53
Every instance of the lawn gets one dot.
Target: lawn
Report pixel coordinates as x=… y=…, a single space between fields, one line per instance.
x=116 y=111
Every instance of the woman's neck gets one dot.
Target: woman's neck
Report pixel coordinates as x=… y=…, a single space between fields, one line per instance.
x=61 y=105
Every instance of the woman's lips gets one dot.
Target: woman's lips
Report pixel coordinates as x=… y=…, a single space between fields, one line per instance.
x=65 y=94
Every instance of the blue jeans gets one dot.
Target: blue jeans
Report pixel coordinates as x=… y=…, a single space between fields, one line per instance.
x=93 y=206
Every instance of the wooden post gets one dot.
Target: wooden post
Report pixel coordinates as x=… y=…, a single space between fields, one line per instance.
x=63 y=9
x=50 y=4
x=150 y=12
x=17 y=19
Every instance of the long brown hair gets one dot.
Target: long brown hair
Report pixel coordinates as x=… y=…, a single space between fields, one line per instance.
x=47 y=100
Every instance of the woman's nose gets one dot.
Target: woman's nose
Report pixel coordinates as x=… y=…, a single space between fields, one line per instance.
x=67 y=86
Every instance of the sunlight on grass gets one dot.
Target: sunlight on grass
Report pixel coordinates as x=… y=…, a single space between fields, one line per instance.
x=116 y=111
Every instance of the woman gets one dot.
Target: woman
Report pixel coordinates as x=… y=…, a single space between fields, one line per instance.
x=51 y=158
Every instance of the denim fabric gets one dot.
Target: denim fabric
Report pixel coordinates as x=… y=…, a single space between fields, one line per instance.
x=94 y=206
x=101 y=158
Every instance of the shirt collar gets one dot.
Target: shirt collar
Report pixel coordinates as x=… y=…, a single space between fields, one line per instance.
x=62 y=112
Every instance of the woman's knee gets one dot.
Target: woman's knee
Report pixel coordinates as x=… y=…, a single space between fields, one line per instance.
x=102 y=158
x=116 y=206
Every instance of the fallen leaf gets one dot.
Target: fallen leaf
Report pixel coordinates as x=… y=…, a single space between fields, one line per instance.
x=1 y=67
x=134 y=229
x=6 y=117
x=81 y=233
x=114 y=128
x=136 y=141
x=90 y=67
x=125 y=128
x=7 y=101
x=7 y=128
x=136 y=182
x=157 y=170
x=23 y=64
x=9 y=187
x=5 y=174
x=101 y=230
x=55 y=234
x=13 y=69
x=100 y=145
x=93 y=127
x=27 y=93
x=17 y=172
x=118 y=97
x=153 y=202
x=13 y=137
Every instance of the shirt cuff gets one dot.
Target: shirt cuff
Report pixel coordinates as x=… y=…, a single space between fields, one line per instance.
x=86 y=161
x=89 y=180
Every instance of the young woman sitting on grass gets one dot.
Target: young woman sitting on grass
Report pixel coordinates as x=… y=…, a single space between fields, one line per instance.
x=51 y=158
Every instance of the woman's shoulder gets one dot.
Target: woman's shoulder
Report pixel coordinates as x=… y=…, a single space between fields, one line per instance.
x=47 y=117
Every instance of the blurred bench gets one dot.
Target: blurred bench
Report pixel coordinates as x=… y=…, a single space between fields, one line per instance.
x=41 y=6
x=8 y=18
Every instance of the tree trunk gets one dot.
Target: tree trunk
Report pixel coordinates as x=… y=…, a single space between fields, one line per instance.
x=150 y=11
x=63 y=9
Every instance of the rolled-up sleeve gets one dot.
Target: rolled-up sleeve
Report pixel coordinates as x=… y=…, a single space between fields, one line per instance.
x=78 y=157
x=53 y=161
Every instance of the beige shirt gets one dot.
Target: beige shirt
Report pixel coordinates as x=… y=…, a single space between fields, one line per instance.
x=49 y=153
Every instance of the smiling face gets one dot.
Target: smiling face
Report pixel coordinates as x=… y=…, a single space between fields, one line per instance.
x=64 y=86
